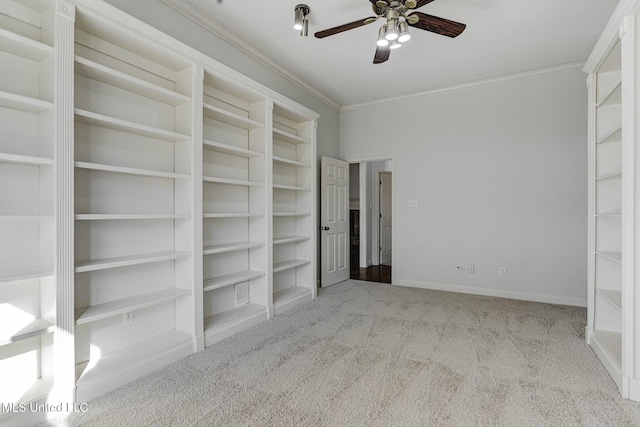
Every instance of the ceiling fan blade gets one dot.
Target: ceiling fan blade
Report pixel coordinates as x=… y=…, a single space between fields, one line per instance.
x=421 y=3
x=436 y=25
x=345 y=27
x=382 y=55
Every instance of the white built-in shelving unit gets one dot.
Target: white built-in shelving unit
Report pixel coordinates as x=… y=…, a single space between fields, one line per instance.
x=612 y=326
x=134 y=280
x=27 y=191
x=294 y=182
x=138 y=179
x=235 y=208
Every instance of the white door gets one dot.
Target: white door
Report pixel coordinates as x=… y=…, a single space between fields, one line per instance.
x=385 y=218
x=334 y=221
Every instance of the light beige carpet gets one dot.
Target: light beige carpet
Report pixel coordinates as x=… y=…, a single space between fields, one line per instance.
x=369 y=354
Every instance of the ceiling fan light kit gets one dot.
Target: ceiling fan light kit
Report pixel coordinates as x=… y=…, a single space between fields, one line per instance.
x=399 y=15
x=300 y=21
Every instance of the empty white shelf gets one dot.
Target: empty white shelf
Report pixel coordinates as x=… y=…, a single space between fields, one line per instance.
x=613 y=97
x=23 y=46
x=130 y=171
x=231 y=182
x=288 y=265
x=609 y=215
x=289 y=137
x=228 y=117
x=611 y=343
x=289 y=239
x=24 y=160
x=33 y=329
x=289 y=214
x=99 y=72
x=231 y=279
x=235 y=317
x=233 y=215
x=290 y=187
x=109 y=217
x=124 y=261
x=612 y=135
x=290 y=293
x=13 y=275
x=614 y=297
x=114 y=308
x=613 y=256
x=230 y=149
x=137 y=354
x=130 y=127
x=289 y=162
x=23 y=103
x=229 y=247
x=612 y=175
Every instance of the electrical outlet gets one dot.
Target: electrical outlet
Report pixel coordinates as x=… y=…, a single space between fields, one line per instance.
x=471 y=269
x=127 y=318
x=502 y=271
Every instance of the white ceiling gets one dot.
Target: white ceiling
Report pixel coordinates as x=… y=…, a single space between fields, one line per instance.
x=502 y=37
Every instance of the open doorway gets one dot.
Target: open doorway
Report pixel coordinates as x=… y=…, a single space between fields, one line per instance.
x=370 y=214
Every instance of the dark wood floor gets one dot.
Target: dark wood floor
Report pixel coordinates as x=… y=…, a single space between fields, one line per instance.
x=375 y=273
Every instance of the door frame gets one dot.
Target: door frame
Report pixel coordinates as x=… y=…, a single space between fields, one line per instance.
x=377 y=213
x=394 y=205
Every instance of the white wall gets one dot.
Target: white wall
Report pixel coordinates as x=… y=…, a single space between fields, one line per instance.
x=500 y=176
x=167 y=20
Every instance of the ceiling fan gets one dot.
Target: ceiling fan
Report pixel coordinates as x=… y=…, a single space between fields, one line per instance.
x=399 y=14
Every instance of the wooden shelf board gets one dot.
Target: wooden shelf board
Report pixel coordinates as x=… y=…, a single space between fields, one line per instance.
x=612 y=296
x=99 y=72
x=612 y=135
x=23 y=103
x=288 y=265
x=230 y=149
x=124 y=261
x=231 y=182
x=231 y=279
x=23 y=46
x=233 y=317
x=109 y=217
x=612 y=175
x=233 y=215
x=230 y=118
x=288 y=162
x=136 y=354
x=290 y=293
x=229 y=247
x=14 y=275
x=35 y=328
x=130 y=171
x=290 y=187
x=614 y=97
x=289 y=137
x=137 y=302
x=130 y=127
x=289 y=214
x=289 y=239
x=613 y=256
x=25 y=160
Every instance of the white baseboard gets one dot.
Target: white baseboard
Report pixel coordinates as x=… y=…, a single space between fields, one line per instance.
x=493 y=293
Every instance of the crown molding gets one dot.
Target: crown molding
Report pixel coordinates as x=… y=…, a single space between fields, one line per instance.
x=612 y=32
x=208 y=23
x=493 y=81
